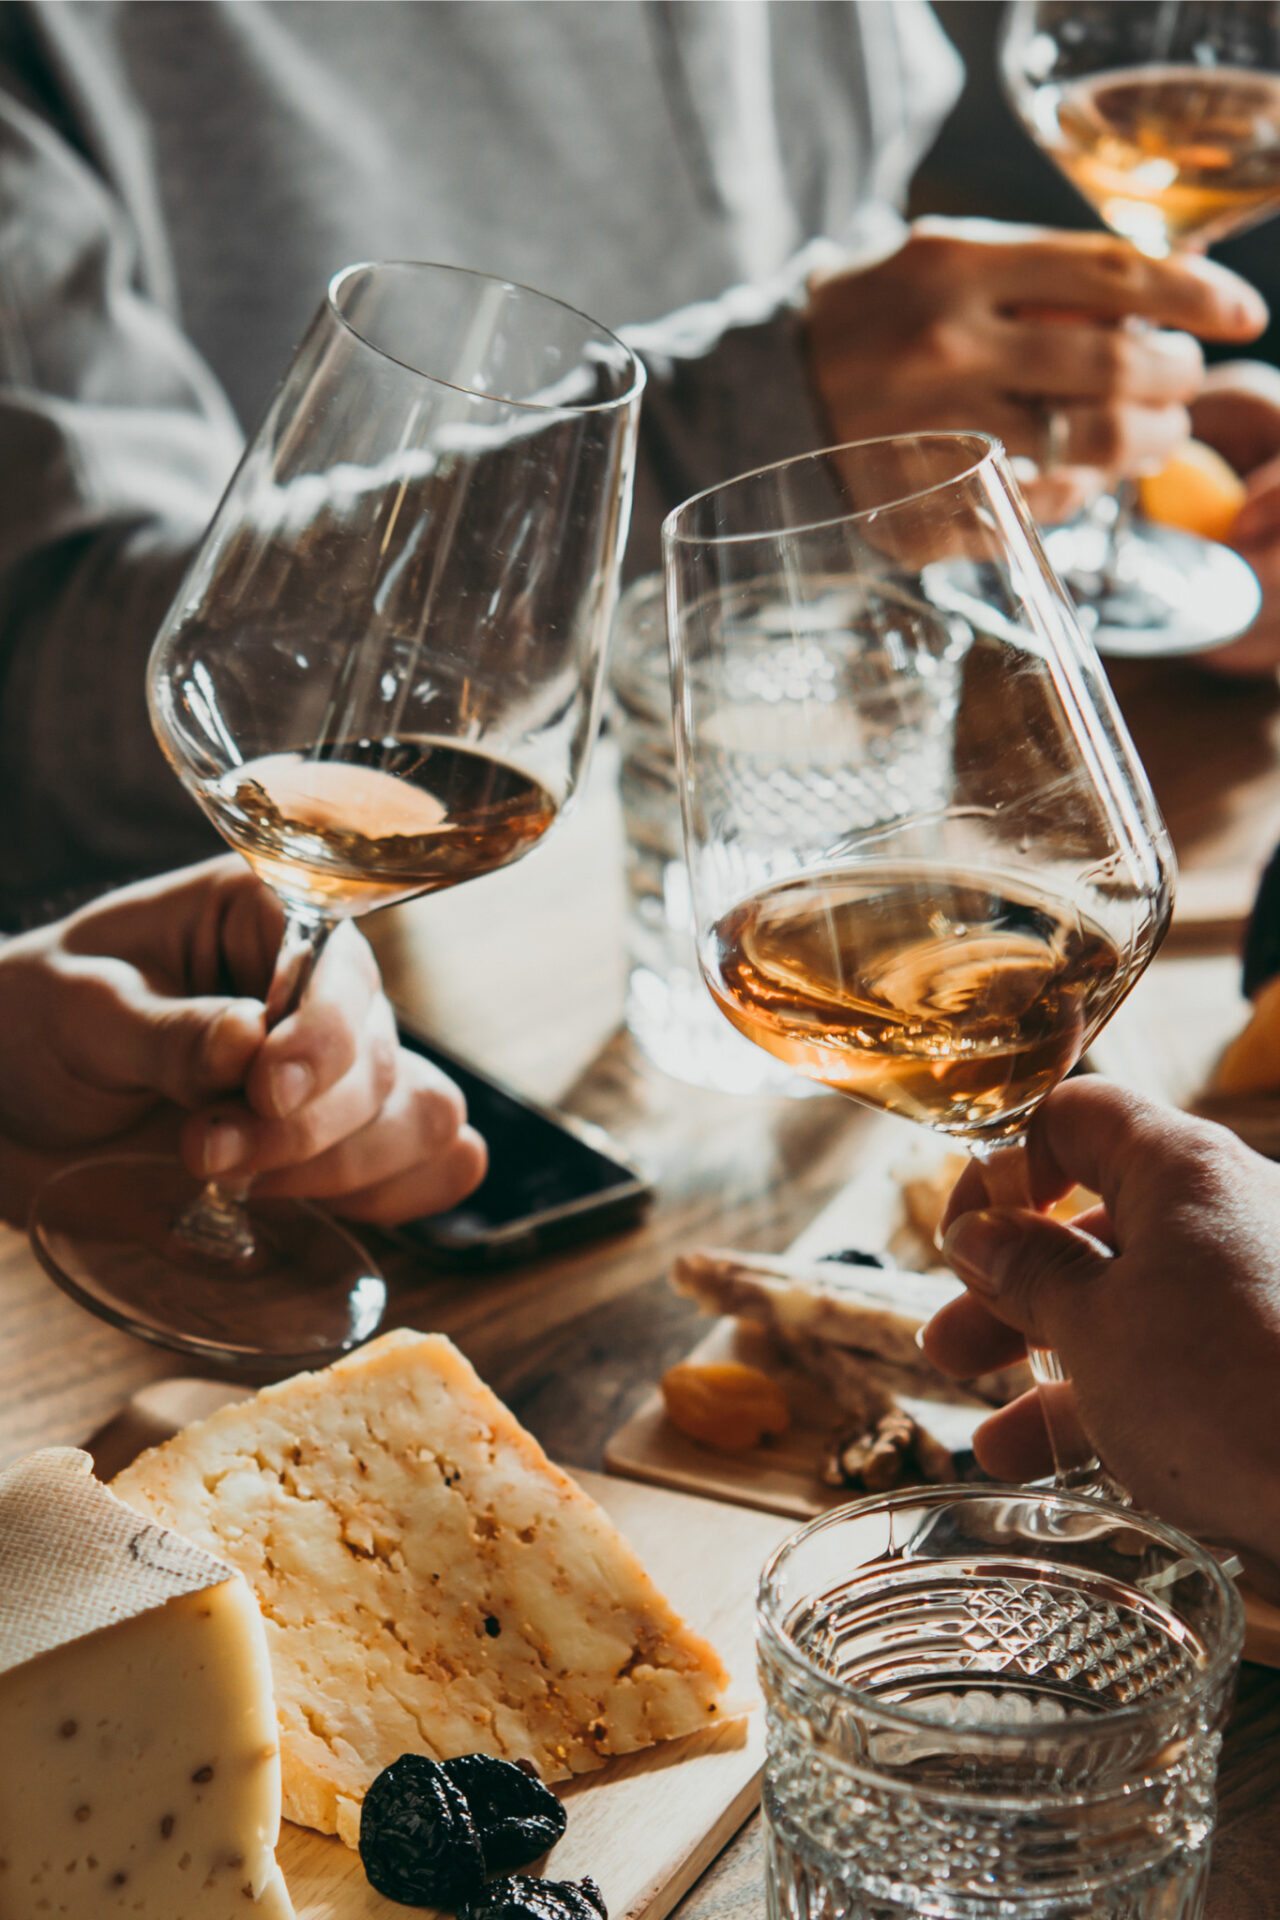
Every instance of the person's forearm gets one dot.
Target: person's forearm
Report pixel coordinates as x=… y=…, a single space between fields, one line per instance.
x=85 y=792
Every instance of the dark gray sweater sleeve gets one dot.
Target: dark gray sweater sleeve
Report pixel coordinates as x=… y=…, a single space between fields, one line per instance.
x=729 y=386
x=115 y=443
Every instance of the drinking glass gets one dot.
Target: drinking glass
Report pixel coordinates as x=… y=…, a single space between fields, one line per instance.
x=381 y=677
x=950 y=959
x=989 y=1705
x=1165 y=116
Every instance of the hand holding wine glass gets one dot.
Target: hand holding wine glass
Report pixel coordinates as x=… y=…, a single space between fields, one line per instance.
x=381 y=677
x=1165 y=115
x=138 y=1021
x=926 y=864
x=1167 y=1313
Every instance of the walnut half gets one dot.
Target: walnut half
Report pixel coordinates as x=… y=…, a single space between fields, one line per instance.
x=895 y=1452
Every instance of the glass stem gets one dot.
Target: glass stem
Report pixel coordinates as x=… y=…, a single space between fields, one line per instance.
x=216 y=1224
x=1076 y=1467
x=1125 y=496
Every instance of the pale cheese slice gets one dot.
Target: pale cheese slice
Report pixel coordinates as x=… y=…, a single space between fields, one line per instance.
x=139 y=1771
x=430 y=1582
x=854 y=1327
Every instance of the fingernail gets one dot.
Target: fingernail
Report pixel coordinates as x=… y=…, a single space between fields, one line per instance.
x=225 y=1145
x=291 y=1084
x=979 y=1245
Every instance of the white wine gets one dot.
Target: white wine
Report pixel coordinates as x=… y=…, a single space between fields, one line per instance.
x=376 y=820
x=1170 y=156
x=946 y=997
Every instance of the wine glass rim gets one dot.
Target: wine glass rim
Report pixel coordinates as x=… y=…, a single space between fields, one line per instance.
x=603 y=333
x=773 y=1627
x=986 y=449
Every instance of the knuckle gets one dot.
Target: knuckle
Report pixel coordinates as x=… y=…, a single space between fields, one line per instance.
x=1124 y=269
x=947 y=346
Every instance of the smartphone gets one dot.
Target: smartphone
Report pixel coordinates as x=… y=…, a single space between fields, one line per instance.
x=551 y=1179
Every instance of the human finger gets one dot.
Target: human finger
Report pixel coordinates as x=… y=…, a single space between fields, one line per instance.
x=1118 y=436
x=1058 y=494
x=431 y=1187
x=1065 y=360
x=964 y=1340
x=1100 y=274
x=1013 y=1445
x=117 y=1033
x=1116 y=1143
x=1258 y=521
x=969 y=1191
x=233 y=1138
x=419 y=1119
x=1237 y=411
x=317 y=1045
x=1123 y=436
x=1029 y=1271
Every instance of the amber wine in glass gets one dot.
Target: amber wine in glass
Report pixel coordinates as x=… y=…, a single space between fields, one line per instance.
x=933 y=869
x=943 y=997
x=1172 y=156
x=381 y=677
x=1165 y=115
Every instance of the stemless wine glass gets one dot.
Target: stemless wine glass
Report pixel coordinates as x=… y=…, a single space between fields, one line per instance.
x=1165 y=115
x=925 y=861
x=381 y=677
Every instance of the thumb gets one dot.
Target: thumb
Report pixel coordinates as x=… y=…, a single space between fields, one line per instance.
x=187 y=1050
x=1026 y=1269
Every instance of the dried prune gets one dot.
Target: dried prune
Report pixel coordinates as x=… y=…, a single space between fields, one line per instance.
x=521 y=1897
x=515 y=1816
x=418 y=1841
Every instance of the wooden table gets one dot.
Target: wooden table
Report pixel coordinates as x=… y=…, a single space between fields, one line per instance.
x=523 y=972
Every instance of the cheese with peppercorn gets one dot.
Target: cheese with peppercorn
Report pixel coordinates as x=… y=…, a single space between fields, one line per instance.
x=140 y=1770
x=430 y=1582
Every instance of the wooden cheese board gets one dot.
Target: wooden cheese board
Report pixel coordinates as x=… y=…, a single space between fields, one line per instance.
x=645 y=1826
x=784 y=1475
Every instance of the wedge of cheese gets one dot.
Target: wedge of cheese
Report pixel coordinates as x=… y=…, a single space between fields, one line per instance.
x=430 y=1582
x=853 y=1328
x=140 y=1769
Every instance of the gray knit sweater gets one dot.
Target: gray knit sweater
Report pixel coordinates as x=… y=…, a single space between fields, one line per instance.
x=178 y=181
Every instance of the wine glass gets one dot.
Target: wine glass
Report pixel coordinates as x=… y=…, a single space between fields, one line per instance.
x=925 y=861
x=381 y=677
x=1165 y=116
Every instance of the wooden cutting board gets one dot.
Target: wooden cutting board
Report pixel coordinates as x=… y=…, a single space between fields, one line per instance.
x=645 y=1826
x=784 y=1475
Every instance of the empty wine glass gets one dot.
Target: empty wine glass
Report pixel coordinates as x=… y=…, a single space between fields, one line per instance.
x=1165 y=115
x=381 y=677
x=925 y=861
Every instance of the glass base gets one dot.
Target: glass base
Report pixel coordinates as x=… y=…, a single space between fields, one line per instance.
x=1156 y=591
x=104 y=1231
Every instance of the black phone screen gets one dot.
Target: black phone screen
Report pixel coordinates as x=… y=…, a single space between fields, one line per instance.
x=544 y=1181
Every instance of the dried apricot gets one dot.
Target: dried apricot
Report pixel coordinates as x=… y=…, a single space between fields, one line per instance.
x=724 y=1404
x=1194 y=489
